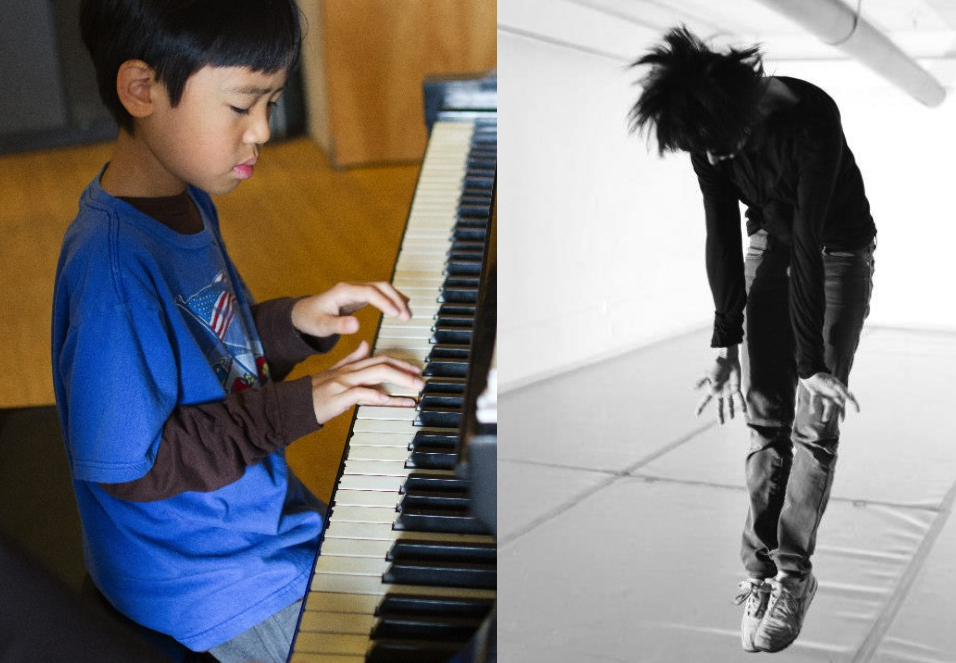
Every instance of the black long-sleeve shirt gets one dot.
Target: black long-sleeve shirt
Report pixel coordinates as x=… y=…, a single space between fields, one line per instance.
x=800 y=183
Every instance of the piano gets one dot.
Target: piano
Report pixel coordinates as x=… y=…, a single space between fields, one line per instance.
x=406 y=570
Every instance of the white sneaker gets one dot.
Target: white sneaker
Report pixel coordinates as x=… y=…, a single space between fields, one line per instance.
x=756 y=593
x=789 y=600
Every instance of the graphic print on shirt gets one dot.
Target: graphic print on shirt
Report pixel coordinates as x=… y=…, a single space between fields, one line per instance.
x=236 y=356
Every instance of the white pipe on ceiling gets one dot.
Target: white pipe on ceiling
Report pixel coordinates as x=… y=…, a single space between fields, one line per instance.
x=838 y=25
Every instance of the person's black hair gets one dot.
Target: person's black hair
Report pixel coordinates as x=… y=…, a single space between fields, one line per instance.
x=179 y=37
x=696 y=99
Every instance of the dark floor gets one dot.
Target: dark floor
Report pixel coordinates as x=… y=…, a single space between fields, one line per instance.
x=37 y=508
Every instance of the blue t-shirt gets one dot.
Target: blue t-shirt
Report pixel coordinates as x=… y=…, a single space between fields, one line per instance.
x=145 y=319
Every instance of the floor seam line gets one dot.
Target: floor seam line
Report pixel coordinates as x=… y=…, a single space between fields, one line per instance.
x=892 y=606
x=611 y=479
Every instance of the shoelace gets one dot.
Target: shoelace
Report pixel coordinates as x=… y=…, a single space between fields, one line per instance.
x=783 y=602
x=752 y=594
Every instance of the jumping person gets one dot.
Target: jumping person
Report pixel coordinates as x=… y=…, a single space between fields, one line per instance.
x=797 y=300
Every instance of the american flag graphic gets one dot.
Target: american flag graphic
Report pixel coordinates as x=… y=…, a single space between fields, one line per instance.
x=214 y=305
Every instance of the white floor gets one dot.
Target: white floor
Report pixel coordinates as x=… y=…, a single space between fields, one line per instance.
x=620 y=513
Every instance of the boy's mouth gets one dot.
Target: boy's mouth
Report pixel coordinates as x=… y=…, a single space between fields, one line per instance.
x=244 y=170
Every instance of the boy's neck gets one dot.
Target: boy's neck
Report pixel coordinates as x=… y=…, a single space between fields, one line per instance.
x=134 y=172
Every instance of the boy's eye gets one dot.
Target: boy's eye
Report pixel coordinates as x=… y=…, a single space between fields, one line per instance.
x=240 y=111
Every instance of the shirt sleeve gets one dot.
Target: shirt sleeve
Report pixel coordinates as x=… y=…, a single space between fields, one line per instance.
x=818 y=160
x=723 y=254
x=283 y=345
x=208 y=446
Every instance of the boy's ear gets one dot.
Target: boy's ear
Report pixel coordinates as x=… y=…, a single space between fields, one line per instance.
x=134 y=84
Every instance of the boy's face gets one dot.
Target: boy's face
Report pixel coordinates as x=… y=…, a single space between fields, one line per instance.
x=211 y=139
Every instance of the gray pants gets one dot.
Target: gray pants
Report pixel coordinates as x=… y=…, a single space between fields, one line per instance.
x=267 y=642
x=793 y=453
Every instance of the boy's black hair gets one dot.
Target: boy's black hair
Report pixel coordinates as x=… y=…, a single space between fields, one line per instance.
x=697 y=99
x=179 y=37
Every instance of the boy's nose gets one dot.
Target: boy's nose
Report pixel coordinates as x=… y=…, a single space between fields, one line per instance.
x=259 y=132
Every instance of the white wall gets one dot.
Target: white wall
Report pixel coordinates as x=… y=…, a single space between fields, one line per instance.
x=601 y=244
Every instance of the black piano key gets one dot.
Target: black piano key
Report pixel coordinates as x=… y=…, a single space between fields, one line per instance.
x=471 y=247
x=422 y=481
x=433 y=457
x=426 y=627
x=413 y=604
x=450 y=308
x=461 y=280
x=442 y=351
x=459 y=295
x=451 y=335
x=479 y=221
x=446 y=368
x=443 y=386
x=439 y=417
x=434 y=438
x=447 y=550
x=452 y=320
x=456 y=521
x=441 y=573
x=468 y=232
x=412 y=651
x=440 y=400
x=435 y=499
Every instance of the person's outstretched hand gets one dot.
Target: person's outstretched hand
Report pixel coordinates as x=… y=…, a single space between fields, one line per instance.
x=829 y=392
x=331 y=312
x=722 y=381
x=358 y=380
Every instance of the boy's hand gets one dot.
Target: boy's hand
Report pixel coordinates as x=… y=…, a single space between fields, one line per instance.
x=358 y=379
x=331 y=312
x=830 y=392
x=722 y=380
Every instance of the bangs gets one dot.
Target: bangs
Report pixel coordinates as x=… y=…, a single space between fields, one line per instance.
x=263 y=35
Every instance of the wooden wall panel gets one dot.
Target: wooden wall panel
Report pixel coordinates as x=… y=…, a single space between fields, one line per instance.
x=374 y=57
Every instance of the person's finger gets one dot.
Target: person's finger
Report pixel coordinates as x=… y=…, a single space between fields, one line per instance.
x=370 y=396
x=850 y=397
x=700 y=383
x=730 y=405
x=359 y=353
x=720 y=410
x=743 y=401
x=703 y=403
x=827 y=409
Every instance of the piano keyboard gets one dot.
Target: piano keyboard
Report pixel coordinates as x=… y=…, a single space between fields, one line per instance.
x=406 y=573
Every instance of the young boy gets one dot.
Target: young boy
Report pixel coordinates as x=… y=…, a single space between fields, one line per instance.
x=776 y=144
x=167 y=374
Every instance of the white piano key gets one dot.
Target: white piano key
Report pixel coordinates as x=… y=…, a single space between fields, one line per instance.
x=385 y=413
x=404 y=331
x=324 y=621
x=376 y=531
x=308 y=642
x=367 y=498
x=355 y=566
x=374 y=549
x=339 y=582
x=340 y=602
x=376 y=467
x=380 y=439
x=371 y=482
x=364 y=514
x=384 y=426
x=398 y=452
x=312 y=657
